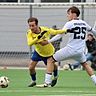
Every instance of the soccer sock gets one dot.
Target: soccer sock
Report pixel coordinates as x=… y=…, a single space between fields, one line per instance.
x=48 y=78
x=93 y=77
x=55 y=73
x=33 y=77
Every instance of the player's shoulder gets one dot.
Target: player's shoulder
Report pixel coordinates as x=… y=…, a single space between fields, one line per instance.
x=76 y=21
x=82 y=21
x=44 y=28
x=70 y=22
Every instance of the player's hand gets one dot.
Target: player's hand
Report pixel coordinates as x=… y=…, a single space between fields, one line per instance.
x=44 y=42
x=39 y=36
x=72 y=30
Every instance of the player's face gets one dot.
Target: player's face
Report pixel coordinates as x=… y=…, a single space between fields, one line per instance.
x=33 y=27
x=69 y=15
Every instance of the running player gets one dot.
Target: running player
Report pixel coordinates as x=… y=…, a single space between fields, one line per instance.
x=36 y=35
x=75 y=47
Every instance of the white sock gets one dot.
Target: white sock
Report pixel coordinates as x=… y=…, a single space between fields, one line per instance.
x=48 y=78
x=93 y=77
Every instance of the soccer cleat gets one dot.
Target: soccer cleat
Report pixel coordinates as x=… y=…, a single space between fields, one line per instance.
x=54 y=81
x=43 y=85
x=32 y=84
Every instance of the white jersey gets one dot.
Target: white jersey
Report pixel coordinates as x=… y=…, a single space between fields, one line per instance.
x=77 y=39
x=76 y=44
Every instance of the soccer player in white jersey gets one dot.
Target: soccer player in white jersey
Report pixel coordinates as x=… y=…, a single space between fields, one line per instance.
x=75 y=46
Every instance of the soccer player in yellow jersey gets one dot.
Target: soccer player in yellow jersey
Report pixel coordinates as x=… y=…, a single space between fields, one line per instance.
x=35 y=36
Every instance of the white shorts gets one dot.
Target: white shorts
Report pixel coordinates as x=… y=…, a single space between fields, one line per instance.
x=69 y=53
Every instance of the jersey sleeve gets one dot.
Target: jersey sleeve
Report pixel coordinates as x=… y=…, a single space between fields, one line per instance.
x=90 y=29
x=55 y=38
x=67 y=25
x=30 y=40
x=55 y=32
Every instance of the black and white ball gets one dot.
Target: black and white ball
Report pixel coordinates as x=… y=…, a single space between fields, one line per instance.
x=66 y=67
x=4 y=81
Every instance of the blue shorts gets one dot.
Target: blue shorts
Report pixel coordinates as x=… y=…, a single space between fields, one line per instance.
x=37 y=57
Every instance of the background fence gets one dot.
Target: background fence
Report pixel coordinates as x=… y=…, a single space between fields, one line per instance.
x=13 y=26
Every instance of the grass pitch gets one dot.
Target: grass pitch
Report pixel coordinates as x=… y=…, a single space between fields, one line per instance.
x=70 y=83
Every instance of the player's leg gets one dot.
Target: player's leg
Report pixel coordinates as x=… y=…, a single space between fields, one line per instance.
x=58 y=56
x=34 y=60
x=32 y=72
x=50 y=69
x=87 y=67
x=89 y=57
x=90 y=72
x=55 y=73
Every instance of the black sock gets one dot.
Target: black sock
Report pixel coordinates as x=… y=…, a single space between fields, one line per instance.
x=33 y=77
x=55 y=73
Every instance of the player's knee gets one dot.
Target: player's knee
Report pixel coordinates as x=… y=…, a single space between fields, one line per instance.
x=84 y=64
x=51 y=60
x=31 y=67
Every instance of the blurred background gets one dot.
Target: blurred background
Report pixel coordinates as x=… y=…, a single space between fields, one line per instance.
x=14 y=51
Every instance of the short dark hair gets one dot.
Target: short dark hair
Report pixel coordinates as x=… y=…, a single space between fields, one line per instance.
x=31 y=19
x=74 y=10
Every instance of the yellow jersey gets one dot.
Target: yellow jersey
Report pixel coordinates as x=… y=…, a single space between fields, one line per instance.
x=46 y=50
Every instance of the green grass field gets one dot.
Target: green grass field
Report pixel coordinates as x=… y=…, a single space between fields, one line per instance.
x=70 y=83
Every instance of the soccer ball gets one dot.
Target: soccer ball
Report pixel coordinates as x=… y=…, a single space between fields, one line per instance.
x=66 y=67
x=4 y=81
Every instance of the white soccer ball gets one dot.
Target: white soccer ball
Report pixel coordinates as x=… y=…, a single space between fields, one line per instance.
x=66 y=67
x=4 y=81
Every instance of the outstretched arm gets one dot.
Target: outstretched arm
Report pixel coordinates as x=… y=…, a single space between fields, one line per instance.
x=92 y=30
x=55 y=38
x=55 y=32
x=45 y=42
